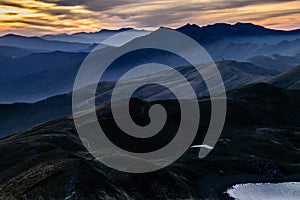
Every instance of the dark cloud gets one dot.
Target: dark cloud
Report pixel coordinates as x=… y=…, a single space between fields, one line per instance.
x=34 y=23
x=11 y=4
x=274 y=15
x=11 y=13
x=239 y=3
x=173 y=14
x=152 y=17
x=95 y=5
x=159 y=20
x=105 y=5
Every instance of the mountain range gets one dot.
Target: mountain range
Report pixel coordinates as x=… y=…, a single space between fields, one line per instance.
x=39 y=44
x=234 y=74
x=48 y=64
x=279 y=62
x=206 y=35
x=38 y=75
x=236 y=33
x=95 y=37
x=43 y=157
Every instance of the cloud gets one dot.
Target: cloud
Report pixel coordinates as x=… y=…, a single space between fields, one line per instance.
x=169 y=13
x=95 y=5
x=11 y=4
x=91 y=15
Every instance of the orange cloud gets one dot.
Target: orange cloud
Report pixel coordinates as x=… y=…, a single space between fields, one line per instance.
x=33 y=17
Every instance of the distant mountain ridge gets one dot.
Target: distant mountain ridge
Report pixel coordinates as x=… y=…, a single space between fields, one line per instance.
x=276 y=61
x=92 y=37
x=204 y=34
x=221 y=40
x=38 y=75
x=221 y=31
x=38 y=43
x=244 y=51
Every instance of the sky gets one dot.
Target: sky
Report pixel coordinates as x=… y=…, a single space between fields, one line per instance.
x=39 y=17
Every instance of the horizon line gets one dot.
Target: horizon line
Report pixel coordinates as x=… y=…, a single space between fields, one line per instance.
x=150 y=29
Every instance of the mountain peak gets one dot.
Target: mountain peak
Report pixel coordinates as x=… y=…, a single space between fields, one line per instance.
x=115 y=30
x=189 y=26
x=244 y=24
x=12 y=35
x=238 y=25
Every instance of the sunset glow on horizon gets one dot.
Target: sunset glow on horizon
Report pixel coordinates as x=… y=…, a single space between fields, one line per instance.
x=39 y=17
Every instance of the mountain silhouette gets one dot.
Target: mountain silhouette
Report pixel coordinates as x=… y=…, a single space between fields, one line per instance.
x=222 y=31
x=37 y=43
